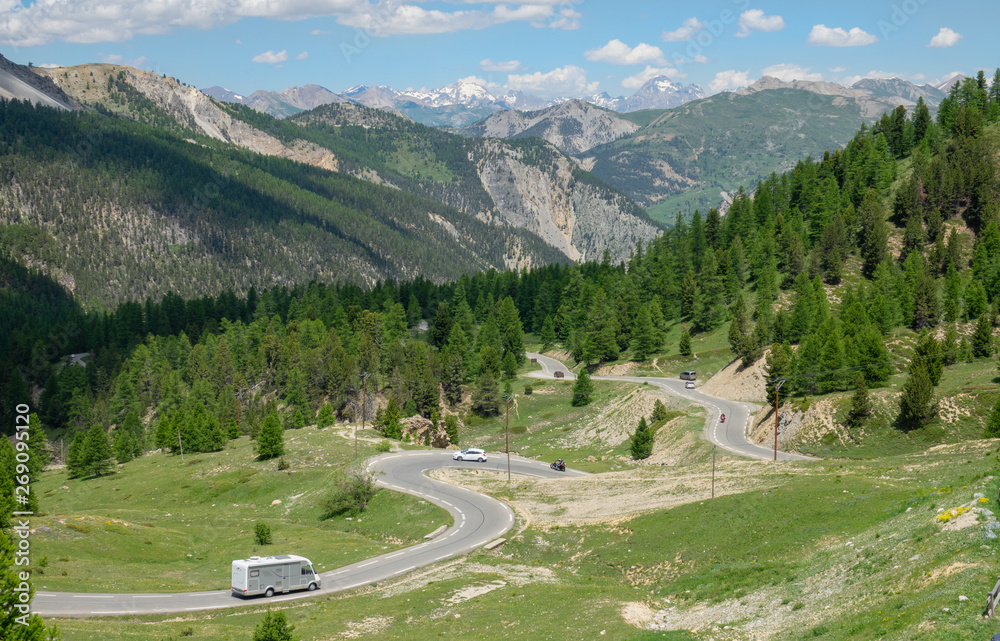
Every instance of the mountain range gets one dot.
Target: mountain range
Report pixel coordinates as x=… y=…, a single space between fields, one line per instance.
x=163 y=188
x=456 y=105
x=697 y=155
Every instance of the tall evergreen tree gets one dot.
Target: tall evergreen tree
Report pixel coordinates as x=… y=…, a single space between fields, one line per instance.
x=641 y=443
x=874 y=233
x=583 y=389
x=684 y=344
x=982 y=337
x=98 y=458
x=917 y=407
x=992 y=429
x=861 y=407
x=271 y=438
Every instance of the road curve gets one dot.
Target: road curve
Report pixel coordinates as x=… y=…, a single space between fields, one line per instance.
x=730 y=436
x=478 y=519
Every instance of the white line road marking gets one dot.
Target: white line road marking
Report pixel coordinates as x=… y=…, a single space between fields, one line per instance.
x=393 y=556
x=93 y=596
x=442 y=557
x=367 y=564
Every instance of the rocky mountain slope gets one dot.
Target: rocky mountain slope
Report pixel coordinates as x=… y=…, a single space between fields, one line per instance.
x=573 y=126
x=166 y=102
x=528 y=184
x=18 y=82
x=696 y=156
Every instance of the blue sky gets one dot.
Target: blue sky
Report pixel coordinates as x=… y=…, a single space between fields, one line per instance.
x=545 y=47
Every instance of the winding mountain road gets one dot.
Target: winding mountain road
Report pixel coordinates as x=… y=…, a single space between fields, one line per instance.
x=730 y=436
x=478 y=520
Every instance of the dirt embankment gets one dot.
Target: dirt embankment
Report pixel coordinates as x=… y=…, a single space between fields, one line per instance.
x=738 y=383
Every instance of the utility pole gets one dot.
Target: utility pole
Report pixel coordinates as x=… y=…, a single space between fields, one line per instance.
x=364 y=409
x=777 y=386
x=508 y=398
x=180 y=444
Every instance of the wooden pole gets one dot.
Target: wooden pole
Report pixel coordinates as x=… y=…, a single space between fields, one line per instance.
x=713 y=471
x=180 y=444
x=507 y=431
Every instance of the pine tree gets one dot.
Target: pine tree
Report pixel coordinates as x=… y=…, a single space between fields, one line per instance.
x=548 y=334
x=832 y=373
x=273 y=627
x=325 y=418
x=271 y=439
x=684 y=345
x=75 y=458
x=659 y=411
x=97 y=455
x=643 y=335
x=874 y=235
x=916 y=406
x=486 y=397
x=641 y=444
x=929 y=351
x=123 y=445
x=992 y=429
x=583 y=389
x=509 y=365
x=451 y=428
x=982 y=337
x=861 y=407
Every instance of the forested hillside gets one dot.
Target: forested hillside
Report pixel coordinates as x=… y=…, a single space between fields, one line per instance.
x=125 y=211
x=895 y=233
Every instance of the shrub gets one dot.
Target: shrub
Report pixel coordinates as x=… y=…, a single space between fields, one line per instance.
x=528 y=389
x=283 y=464
x=262 y=534
x=350 y=493
x=383 y=446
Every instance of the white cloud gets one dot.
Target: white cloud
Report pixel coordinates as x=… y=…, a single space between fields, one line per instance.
x=945 y=38
x=563 y=81
x=499 y=65
x=384 y=20
x=824 y=36
x=49 y=65
x=729 y=80
x=319 y=32
x=302 y=56
x=700 y=58
x=754 y=20
x=686 y=32
x=87 y=21
x=788 y=72
x=117 y=59
x=239 y=42
x=637 y=80
x=270 y=57
x=617 y=52
x=838 y=69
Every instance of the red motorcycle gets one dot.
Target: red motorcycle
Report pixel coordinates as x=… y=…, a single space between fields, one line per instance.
x=722 y=418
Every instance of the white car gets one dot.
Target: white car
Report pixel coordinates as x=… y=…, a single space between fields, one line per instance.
x=471 y=454
x=689 y=385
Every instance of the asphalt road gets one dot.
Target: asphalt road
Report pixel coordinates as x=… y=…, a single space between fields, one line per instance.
x=731 y=435
x=478 y=520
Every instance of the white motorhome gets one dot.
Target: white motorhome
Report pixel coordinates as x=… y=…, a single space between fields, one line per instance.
x=268 y=575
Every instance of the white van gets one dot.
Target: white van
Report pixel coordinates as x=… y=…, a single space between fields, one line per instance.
x=270 y=574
